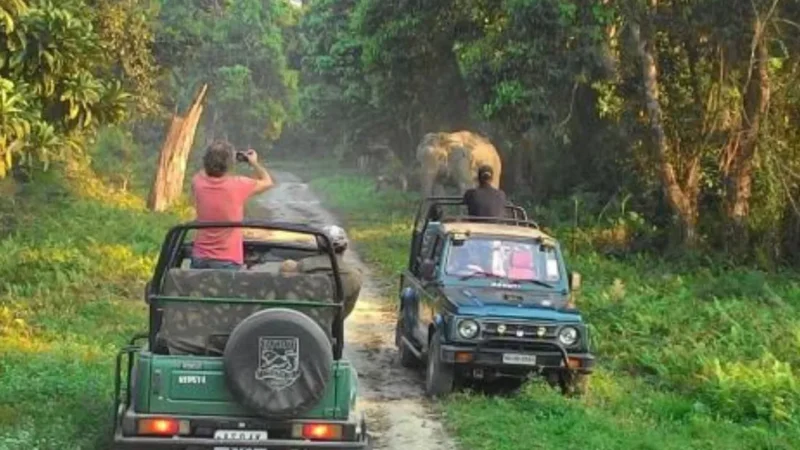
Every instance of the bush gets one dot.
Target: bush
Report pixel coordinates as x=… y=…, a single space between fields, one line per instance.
x=691 y=354
x=73 y=265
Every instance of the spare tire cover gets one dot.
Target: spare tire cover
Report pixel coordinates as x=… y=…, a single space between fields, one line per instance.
x=277 y=363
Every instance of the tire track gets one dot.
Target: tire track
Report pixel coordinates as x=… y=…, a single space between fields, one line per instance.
x=392 y=397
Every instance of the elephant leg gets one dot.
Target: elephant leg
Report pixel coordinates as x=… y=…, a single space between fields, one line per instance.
x=438 y=190
x=428 y=179
x=463 y=174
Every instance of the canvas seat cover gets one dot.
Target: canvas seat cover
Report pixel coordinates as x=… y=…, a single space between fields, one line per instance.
x=188 y=328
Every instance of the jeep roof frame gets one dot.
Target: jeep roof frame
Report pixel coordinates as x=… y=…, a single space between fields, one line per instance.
x=519 y=217
x=174 y=243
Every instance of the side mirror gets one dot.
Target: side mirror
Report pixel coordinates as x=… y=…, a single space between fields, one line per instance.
x=408 y=296
x=427 y=270
x=574 y=281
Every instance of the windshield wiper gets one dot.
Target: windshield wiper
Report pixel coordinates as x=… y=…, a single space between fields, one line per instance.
x=536 y=282
x=483 y=274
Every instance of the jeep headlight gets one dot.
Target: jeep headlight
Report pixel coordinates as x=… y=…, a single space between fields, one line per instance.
x=468 y=328
x=568 y=336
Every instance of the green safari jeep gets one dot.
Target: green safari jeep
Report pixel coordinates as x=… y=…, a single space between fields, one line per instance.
x=240 y=359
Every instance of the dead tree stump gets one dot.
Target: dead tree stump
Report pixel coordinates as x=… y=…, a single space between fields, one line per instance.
x=171 y=170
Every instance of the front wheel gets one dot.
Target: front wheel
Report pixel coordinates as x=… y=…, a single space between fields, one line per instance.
x=574 y=384
x=440 y=376
x=407 y=358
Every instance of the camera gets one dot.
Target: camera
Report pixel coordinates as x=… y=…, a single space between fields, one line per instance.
x=241 y=156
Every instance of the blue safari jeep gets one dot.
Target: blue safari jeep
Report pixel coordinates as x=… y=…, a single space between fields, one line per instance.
x=484 y=298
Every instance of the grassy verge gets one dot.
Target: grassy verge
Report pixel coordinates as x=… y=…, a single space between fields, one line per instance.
x=689 y=357
x=73 y=258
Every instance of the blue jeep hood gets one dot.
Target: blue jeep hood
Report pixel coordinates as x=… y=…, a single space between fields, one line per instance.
x=534 y=304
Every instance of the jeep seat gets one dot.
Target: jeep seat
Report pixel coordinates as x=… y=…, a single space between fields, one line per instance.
x=198 y=328
x=522 y=266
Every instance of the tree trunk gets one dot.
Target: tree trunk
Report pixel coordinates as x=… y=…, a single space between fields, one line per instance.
x=739 y=172
x=682 y=200
x=457 y=114
x=168 y=183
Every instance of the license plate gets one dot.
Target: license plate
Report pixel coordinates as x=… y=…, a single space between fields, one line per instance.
x=240 y=435
x=522 y=360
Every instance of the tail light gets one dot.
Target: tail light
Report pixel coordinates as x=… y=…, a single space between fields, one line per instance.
x=318 y=431
x=163 y=427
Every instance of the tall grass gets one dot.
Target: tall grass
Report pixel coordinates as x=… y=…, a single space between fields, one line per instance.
x=74 y=254
x=690 y=356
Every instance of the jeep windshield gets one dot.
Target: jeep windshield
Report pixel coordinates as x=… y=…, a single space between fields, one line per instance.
x=520 y=261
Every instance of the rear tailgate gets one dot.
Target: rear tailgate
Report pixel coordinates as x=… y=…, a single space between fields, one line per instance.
x=195 y=385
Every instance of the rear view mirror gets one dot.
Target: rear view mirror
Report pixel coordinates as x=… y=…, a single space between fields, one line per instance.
x=574 y=281
x=427 y=270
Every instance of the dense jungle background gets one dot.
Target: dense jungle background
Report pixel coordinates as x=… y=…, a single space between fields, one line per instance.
x=657 y=139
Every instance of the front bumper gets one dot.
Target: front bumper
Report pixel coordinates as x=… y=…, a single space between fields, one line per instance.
x=554 y=359
x=355 y=436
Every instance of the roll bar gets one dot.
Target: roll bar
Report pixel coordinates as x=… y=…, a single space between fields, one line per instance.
x=171 y=248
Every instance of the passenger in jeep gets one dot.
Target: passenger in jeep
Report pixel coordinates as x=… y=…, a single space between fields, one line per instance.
x=463 y=260
x=220 y=197
x=351 y=276
x=485 y=200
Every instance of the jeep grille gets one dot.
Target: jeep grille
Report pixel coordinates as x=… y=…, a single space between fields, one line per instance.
x=529 y=331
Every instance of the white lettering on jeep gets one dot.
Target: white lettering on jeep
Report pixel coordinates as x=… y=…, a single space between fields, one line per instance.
x=192 y=379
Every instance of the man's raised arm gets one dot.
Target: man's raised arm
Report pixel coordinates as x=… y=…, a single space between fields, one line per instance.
x=263 y=178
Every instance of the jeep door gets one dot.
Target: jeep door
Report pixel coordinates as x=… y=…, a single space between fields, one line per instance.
x=423 y=310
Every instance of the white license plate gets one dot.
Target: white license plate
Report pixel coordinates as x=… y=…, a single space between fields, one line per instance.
x=522 y=360
x=240 y=435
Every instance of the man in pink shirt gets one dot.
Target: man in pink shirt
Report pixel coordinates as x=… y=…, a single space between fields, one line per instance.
x=220 y=197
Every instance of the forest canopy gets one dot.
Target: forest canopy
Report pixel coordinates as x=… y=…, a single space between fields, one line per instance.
x=680 y=113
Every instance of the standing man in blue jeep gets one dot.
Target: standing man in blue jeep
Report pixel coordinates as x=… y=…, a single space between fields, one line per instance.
x=485 y=200
x=220 y=197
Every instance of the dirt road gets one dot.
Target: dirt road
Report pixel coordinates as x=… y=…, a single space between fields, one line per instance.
x=392 y=397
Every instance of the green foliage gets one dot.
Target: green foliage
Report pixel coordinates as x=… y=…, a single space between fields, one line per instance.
x=558 y=87
x=121 y=159
x=523 y=69
x=69 y=300
x=126 y=30
x=239 y=49
x=58 y=77
x=335 y=99
x=684 y=358
x=380 y=224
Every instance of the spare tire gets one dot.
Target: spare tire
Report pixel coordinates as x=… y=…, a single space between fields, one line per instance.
x=277 y=363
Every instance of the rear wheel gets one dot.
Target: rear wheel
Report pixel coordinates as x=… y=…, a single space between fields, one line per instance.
x=440 y=376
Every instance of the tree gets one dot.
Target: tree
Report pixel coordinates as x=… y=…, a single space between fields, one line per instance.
x=685 y=105
x=238 y=48
x=168 y=183
x=58 y=80
x=409 y=57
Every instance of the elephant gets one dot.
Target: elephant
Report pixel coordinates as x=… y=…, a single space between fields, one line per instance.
x=455 y=157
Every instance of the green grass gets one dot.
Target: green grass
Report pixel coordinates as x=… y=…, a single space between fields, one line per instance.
x=690 y=357
x=73 y=270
